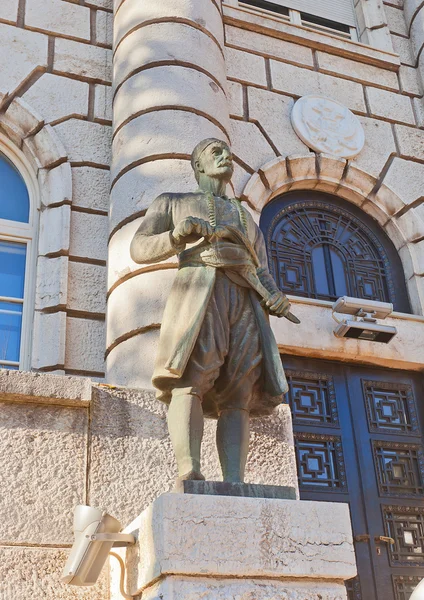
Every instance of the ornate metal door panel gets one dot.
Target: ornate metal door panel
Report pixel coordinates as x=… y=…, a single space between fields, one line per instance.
x=359 y=440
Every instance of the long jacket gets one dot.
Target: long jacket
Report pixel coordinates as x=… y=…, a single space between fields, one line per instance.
x=192 y=288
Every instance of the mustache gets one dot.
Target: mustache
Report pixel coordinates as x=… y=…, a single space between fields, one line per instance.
x=225 y=163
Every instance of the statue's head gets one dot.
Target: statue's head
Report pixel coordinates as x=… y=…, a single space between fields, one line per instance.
x=212 y=158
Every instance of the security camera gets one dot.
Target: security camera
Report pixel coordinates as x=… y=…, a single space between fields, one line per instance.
x=95 y=533
x=363 y=325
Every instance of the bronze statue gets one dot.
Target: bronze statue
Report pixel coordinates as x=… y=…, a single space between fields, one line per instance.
x=217 y=354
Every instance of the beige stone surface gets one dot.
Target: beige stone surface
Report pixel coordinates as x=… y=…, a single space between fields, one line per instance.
x=301 y=82
x=45 y=147
x=44 y=388
x=85 y=344
x=245 y=67
x=315 y=338
x=379 y=146
x=396 y=20
x=133 y=463
x=273 y=112
x=104 y=28
x=57 y=97
x=183 y=534
x=35 y=573
x=157 y=134
x=249 y=144
x=144 y=297
x=182 y=588
x=403 y=47
x=390 y=106
x=52 y=280
x=235 y=98
x=90 y=187
x=84 y=60
x=410 y=80
x=29 y=52
x=120 y=263
x=171 y=87
x=54 y=230
x=161 y=42
x=88 y=236
x=9 y=10
x=103 y=102
x=87 y=287
x=135 y=190
x=20 y=120
x=43 y=465
x=86 y=141
x=268 y=46
x=48 y=346
x=405 y=177
x=131 y=363
x=411 y=142
x=60 y=17
x=55 y=184
x=334 y=65
x=201 y=13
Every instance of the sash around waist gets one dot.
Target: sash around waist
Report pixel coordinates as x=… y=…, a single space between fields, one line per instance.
x=219 y=255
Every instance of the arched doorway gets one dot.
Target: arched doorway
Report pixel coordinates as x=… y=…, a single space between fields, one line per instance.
x=358 y=430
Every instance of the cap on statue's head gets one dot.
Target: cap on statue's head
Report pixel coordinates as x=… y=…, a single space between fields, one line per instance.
x=201 y=147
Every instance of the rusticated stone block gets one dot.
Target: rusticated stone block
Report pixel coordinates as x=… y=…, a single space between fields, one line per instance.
x=181 y=588
x=191 y=535
x=35 y=573
x=26 y=386
x=43 y=471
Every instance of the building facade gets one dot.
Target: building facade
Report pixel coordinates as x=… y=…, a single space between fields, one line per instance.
x=101 y=104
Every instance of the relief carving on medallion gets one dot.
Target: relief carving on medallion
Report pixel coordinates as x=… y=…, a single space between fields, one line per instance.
x=327 y=126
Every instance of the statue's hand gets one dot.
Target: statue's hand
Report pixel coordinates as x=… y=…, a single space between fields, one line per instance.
x=190 y=230
x=278 y=304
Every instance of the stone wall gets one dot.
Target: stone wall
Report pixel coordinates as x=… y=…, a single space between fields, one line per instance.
x=55 y=105
x=64 y=442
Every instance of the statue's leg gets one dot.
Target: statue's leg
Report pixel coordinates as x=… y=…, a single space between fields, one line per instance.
x=185 y=424
x=232 y=440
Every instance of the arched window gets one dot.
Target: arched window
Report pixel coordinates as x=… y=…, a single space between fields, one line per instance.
x=16 y=236
x=322 y=247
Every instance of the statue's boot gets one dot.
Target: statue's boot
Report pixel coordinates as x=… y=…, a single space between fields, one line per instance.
x=185 y=424
x=232 y=440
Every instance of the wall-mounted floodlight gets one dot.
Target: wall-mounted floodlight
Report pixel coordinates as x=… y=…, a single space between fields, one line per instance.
x=418 y=593
x=363 y=324
x=95 y=533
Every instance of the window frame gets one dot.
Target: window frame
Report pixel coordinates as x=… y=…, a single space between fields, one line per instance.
x=27 y=233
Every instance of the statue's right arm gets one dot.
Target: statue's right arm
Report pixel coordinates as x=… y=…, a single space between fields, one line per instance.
x=153 y=241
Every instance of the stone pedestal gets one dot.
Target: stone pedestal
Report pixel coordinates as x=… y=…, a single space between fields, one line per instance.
x=236 y=548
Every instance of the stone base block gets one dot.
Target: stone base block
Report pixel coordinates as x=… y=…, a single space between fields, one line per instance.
x=245 y=490
x=183 y=588
x=211 y=547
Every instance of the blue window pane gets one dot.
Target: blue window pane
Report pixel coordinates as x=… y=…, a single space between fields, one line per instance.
x=14 y=199
x=339 y=273
x=10 y=331
x=320 y=272
x=12 y=269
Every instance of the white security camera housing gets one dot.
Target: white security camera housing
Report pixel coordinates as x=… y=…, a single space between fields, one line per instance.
x=418 y=593
x=95 y=533
x=363 y=325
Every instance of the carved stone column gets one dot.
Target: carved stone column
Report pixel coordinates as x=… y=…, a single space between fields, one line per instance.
x=169 y=93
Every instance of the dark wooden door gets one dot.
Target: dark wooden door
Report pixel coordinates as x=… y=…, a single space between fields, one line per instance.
x=358 y=434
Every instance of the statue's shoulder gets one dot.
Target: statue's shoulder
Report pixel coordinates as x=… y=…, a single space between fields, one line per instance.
x=169 y=198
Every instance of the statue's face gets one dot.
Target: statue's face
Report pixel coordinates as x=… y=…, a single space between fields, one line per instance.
x=217 y=161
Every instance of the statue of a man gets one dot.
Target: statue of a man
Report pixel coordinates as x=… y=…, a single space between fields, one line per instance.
x=217 y=355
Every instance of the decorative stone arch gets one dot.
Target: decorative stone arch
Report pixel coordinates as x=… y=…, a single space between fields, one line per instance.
x=51 y=179
x=339 y=177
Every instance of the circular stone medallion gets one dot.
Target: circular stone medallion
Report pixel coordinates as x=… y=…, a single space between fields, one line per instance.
x=327 y=126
